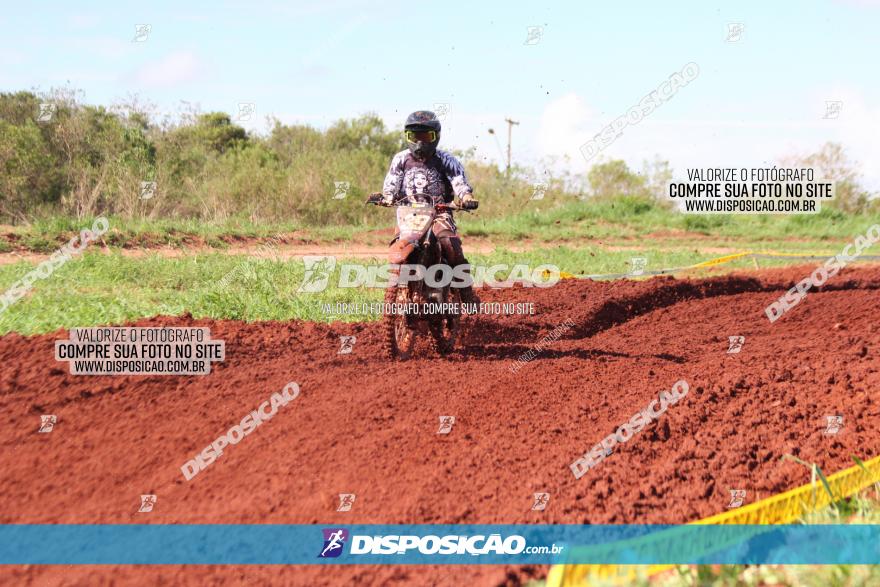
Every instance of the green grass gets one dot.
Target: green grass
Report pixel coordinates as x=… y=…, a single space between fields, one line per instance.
x=100 y=288
x=630 y=218
x=558 y=220
x=47 y=235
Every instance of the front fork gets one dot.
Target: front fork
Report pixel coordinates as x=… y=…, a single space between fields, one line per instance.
x=419 y=292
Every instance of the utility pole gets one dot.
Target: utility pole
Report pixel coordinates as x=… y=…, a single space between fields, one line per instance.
x=510 y=124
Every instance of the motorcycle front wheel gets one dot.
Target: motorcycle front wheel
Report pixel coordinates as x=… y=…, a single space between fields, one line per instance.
x=400 y=335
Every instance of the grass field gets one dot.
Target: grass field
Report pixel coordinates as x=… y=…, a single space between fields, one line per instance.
x=557 y=220
x=105 y=286
x=111 y=288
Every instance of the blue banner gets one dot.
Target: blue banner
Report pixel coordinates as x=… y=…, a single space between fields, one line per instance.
x=457 y=544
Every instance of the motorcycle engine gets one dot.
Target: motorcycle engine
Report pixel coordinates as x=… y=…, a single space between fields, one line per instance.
x=435 y=295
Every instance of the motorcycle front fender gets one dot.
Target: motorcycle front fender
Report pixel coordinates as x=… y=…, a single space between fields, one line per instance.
x=400 y=251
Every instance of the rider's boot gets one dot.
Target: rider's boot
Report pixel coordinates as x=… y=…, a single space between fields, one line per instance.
x=468 y=296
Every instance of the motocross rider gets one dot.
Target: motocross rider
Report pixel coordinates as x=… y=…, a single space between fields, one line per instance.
x=424 y=173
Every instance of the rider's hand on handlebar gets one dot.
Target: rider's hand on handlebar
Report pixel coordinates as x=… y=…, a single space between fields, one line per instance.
x=468 y=202
x=380 y=199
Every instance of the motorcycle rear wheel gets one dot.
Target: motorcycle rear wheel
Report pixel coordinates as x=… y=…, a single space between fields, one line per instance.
x=445 y=331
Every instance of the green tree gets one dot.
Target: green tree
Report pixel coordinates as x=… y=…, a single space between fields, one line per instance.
x=831 y=163
x=614 y=178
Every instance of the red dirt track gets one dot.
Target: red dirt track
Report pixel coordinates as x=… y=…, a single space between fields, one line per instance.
x=367 y=426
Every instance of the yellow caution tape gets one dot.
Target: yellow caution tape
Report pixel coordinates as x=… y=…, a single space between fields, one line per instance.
x=720 y=260
x=703 y=264
x=784 y=508
x=546 y=274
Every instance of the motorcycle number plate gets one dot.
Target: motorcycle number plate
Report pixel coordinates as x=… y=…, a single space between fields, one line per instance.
x=415 y=222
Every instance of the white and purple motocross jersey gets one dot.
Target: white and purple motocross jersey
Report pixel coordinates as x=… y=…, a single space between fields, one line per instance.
x=440 y=178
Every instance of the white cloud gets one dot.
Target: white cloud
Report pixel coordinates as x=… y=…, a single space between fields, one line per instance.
x=568 y=122
x=564 y=127
x=173 y=69
x=856 y=129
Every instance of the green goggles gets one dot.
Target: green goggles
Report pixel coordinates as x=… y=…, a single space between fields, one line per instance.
x=424 y=136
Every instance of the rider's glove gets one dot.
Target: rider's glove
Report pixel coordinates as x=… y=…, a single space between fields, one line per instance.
x=468 y=202
x=387 y=199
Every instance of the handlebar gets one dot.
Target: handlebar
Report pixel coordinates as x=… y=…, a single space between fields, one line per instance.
x=377 y=200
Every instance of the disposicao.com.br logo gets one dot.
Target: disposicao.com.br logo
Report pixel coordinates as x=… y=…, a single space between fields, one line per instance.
x=334 y=542
x=453 y=544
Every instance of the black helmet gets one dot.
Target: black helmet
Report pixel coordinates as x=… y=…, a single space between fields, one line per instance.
x=422 y=130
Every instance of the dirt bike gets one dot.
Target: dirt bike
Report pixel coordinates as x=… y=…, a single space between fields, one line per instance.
x=416 y=244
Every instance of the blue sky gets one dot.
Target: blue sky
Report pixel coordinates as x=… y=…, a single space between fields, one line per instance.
x=756 y=100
